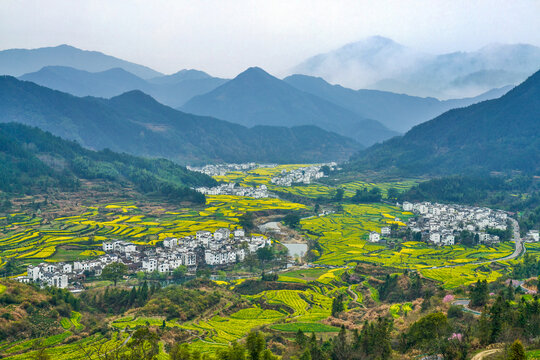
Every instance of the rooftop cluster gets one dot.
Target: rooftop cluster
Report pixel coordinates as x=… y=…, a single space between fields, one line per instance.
x=222 y=247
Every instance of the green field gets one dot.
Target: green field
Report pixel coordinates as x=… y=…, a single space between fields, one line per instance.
x=305 y=327
x=32 y=240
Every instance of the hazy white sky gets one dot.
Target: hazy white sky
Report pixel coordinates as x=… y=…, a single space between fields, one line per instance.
x=225 y=37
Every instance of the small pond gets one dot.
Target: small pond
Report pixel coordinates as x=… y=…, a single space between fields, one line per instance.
x=296 y=249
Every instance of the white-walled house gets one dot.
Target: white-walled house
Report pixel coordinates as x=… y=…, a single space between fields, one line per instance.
x=386 y=231
x=374 y=236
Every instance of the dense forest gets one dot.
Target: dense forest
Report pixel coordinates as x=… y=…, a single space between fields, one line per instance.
x=34 y=161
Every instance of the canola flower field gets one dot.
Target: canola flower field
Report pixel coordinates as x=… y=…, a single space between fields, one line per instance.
x=343 y=237
x=31 y=239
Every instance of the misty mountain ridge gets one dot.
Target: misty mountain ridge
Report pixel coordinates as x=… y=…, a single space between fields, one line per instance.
x=137 y=124
x=494 y=135
x=382 y=64
x=172 y=90
x=182 y=75
x=398 y=112
x=16 y=62
x=255 y=97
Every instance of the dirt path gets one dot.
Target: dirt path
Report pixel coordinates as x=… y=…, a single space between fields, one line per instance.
x=481 y=355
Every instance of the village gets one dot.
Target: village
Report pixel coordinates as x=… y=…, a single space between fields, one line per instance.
x=303 y=175
x=441 y=224
x=256 y=192
x=222 y=169
x=220 y=248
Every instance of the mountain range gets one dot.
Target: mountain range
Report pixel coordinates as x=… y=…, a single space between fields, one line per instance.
x=172 y=90
x=495 y=135
x=382 y=64
x=255 y=97
x=16 y=62
x=137 y=124
x=398 y=112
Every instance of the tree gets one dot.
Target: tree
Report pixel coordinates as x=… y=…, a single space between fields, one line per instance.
x=337 y=306
x=301 y=338
x=341 y=349
x=235 y=351
x=179 y=272
x=392 y=194
x=180 y=352
x=338 y=196
x=291 y=220
x=246 y=221
x=265 y=254
x=306 y=355
x=479 y=293
x=114 y=272
x=255 y=345
x=144 y=344
x=325 y=169
x=516 y=352
x=428 y=332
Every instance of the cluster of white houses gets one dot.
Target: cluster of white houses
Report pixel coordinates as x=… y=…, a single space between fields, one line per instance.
x=532 y=236
x=440 y=223
x=257 y=192
x=222 y=169
x=304 y=175
x=219 y=248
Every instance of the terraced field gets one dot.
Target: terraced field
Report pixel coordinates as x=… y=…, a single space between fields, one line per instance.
x=31 y=239
x=343 y=237
x=220 y=331
x=71 y=351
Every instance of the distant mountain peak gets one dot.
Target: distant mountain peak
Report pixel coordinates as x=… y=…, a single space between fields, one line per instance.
x=381 y=63
x=135 y=95
x=254 y=71
x=190 y=74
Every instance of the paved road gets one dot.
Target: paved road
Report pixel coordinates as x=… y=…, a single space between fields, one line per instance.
x=519 y=249
x=465 y=303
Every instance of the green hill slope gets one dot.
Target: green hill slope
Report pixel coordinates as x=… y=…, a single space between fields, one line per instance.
x=495 y=135
x=34 y=161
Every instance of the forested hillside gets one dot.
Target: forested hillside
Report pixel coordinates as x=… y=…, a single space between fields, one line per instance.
x=33 y=161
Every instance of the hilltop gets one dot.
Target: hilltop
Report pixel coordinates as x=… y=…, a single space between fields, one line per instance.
x=255 y=97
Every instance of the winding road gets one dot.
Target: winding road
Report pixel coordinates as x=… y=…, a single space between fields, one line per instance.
x=465 y=304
